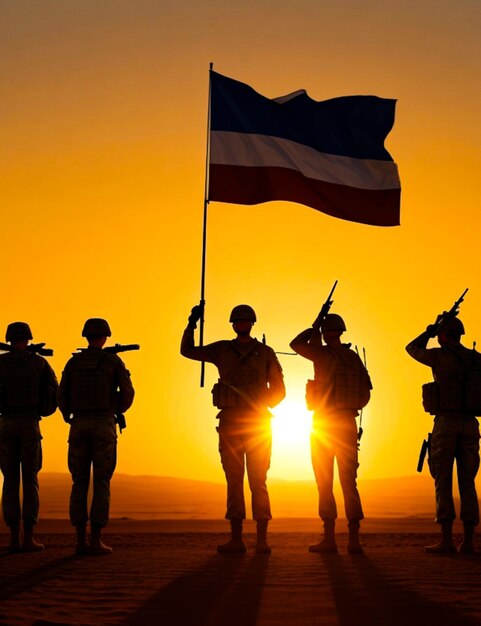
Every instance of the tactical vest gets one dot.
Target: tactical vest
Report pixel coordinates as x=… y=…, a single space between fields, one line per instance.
x=90 y=382
x=346 y=386
x=20 y=385
x=461 y=393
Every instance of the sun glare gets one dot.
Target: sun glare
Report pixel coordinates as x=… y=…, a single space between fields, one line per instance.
x=291 y=430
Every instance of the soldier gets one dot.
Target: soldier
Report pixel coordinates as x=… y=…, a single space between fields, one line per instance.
x=340 y=388
x=94 y=388
x=455 y=432
x=28 y=389
x=250 y=381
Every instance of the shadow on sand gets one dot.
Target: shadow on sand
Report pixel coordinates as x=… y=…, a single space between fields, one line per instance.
x=227 y=589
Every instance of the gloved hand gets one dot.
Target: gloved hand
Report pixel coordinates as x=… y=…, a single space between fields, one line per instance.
x=432 y=329
x=195 y=315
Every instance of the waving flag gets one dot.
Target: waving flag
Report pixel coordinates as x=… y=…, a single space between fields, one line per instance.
x=328 y=155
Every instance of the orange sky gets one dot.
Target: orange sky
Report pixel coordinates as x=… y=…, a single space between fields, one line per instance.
x=103 y=116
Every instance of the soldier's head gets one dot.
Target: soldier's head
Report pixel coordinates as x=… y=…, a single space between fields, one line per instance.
x=242 y=318
x=450 y=332
x=332 y=328
x=18 y=334
x=96 y=330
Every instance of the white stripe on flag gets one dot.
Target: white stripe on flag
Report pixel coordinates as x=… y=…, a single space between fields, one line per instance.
x=252 y=150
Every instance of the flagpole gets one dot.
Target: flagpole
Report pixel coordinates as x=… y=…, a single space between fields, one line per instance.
x=204 y=233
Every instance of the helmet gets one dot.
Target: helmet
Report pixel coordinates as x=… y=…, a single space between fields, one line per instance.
x=243 y=312
x=96 y=326
x=18 y=330
x=452 y=326
x=332 y=321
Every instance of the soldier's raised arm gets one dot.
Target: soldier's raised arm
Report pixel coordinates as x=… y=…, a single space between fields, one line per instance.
x=187 y=345
x=302 y=343
x=418 y=350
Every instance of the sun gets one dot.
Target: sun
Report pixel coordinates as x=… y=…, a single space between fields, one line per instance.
x=292 y=423
x=291 y=431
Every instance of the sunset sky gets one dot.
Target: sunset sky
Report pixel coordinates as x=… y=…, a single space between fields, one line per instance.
x=103 y=122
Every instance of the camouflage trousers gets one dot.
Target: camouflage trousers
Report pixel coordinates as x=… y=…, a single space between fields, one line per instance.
x=455 y=438
x=20 y=459
x=248 y=448
x=336 y=439
x=92 y=446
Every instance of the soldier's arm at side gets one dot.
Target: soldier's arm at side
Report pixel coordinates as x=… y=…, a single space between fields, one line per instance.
x=197 y=353
x=301 y=345
x=49 y=379
x=275 y=378
x=417 y=349
x=63 y=395
x=126 y=392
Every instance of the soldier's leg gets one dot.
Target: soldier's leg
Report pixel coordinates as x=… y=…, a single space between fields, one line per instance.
x=31 y=455
x=322 y=455
x=10 y=467
x=231 y=449
x=467 y=462
x=104 y=459
x=347 y=463
x=79 y=463
x=258 y=448
x=441 y=460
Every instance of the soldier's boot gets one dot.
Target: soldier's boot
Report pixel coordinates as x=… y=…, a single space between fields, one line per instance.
x=353 y=543
x=328 y=542
x=81 y=548
x=235 y=543
x=97 y=546
x=14 y=545
x=467 y=547
x=262 y=547
x=446 y=545
x=29 y=543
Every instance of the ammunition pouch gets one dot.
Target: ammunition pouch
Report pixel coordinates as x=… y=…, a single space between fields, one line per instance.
x=228 y=396
x=315 y=395
x=431 y=398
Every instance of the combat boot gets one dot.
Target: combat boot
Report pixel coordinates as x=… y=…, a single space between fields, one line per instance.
x=446 y=545
x=29 y=543
x=97 y=546
x=14 y=545
x=467 y=547
x=328 y=543
x=353 y=544
x=262 y=547
x=235 y=543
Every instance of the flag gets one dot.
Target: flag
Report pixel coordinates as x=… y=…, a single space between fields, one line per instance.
x=328 y=155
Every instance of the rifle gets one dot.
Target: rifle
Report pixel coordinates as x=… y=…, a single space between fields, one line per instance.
x=33 y=348
x=117 y=348
x=426 y=444
x=445 y=315
x=324 y=309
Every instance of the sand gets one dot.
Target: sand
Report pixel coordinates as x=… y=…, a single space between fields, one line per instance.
x=169 y=574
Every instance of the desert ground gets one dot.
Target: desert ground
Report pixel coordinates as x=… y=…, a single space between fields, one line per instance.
x=167 y=572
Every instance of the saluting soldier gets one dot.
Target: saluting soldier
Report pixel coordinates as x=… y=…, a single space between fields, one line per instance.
x=94 y=388
x=250 y=381
x=28 y=390
x=341 y=387
x=455 y=435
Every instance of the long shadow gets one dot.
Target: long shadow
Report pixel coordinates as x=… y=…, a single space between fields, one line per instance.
x=11 y=587
x=368 y=599
x=225 y=590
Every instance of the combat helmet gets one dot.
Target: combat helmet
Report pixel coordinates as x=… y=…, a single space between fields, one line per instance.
x=332 y=321
x=96 y=326
x=18 y=331
x=452 y=326
x=242 y=312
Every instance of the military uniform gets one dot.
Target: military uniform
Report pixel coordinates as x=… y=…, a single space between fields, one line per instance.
x=337 y=372
x=28 y=389
x=94 y=387
x=250 y=380
x=455 y=434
